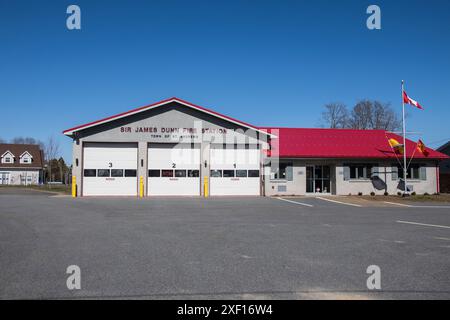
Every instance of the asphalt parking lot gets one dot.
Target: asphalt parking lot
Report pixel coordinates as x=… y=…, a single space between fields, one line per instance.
x=227 y=248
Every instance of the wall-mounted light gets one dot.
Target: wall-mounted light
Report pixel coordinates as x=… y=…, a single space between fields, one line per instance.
x=142 y=162
x=206 y=164
x=76 y=162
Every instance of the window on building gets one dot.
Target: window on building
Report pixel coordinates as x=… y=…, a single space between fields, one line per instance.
x=154 y=173
x=412 y=173
x=228 y=173
x=103 y=172
x=167 y=173
x=216 y=173
x=253 y=173
x=116 y=172
x=130 y=173
x=180 y=173
x=26 y=158
x=360 y=171
x=283 y=172
x=193 y=173
x=241 y=173
x=90 y=172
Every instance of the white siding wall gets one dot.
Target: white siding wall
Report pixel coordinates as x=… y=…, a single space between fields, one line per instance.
x=295 y=187
x=20 y=177
x=345 y=187
x=340 y=186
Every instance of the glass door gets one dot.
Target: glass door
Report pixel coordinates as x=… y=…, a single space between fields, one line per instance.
x=318 y=179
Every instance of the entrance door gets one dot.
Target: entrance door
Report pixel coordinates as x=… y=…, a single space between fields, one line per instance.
x=4 y=177
x=318 y=179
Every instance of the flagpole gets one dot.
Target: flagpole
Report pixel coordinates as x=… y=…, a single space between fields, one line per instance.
x=404 y=140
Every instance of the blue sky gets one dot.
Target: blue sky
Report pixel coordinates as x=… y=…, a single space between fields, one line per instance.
x=269 y=63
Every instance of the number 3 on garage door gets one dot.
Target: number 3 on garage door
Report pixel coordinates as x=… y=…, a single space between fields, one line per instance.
x=99 y=176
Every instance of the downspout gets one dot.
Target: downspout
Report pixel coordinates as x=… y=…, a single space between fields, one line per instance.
x=437 y=178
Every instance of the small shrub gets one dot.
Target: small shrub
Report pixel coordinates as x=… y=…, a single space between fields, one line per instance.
x=372 y=194
x=436 y=194
x=426 y=194
x=360 y=193
x=386 y=193
x=350 y=194
x=413 y=193
x=399 y=193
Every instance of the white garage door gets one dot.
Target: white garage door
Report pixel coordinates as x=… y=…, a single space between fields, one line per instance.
x=173 y=170
x=234 y=171
x=110 y=169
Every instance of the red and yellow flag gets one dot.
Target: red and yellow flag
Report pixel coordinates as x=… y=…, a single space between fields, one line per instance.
x=421 y=147
x=397 y=146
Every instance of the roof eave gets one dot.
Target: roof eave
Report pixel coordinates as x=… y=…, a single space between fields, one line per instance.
x=70 y=132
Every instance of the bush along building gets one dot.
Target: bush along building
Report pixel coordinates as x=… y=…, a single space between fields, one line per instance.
x=176 y=148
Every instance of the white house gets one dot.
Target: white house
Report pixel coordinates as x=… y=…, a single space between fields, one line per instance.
x=20 y=164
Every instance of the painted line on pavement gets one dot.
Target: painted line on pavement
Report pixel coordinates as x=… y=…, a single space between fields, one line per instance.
x=335 y=201
x=411 y=206
x=398 y=204
x=296 y=202
x=438 y=207
x=423 y=224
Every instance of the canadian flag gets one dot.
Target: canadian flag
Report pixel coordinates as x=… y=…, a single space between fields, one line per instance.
x=410 y=101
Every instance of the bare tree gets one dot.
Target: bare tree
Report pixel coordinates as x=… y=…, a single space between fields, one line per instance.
x=386 y=117
x=28 y=140
x=368 y=114
x=51 y=152
x=335 y=115
x=51 y=149
x=361 y=115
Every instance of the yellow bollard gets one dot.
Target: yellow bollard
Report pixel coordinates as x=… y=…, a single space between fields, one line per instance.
x=206 y=188
x=74 y=187
x=141 y=186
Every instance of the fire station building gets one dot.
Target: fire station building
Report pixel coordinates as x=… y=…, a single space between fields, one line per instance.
x=176 y=148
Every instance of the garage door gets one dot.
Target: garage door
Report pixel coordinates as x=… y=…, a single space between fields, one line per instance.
x=173 y=170
x=234 y=171
x=110 y=169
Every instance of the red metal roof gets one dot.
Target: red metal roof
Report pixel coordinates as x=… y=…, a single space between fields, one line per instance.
x=341 y=143
x=305 y=142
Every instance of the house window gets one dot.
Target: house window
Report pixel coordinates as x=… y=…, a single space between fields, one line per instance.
x=7 y=157
x=413 y=172
x=360 y=171
x=26 y=157
x=283 y=172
